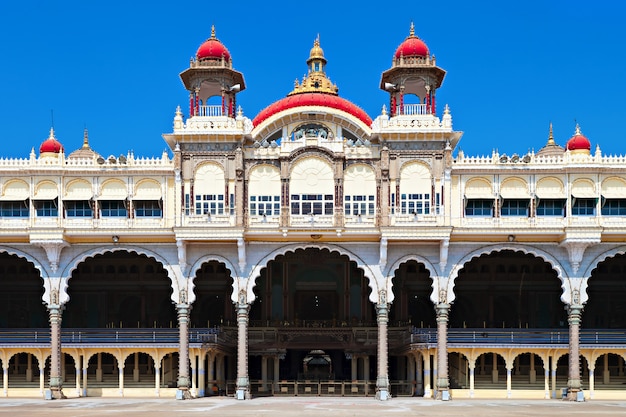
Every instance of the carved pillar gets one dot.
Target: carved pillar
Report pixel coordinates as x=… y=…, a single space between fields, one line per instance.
x=56 y=381
x=442 y=351
x=573 y=381
x=183 y=351
x=382 y=380
x=243 y=383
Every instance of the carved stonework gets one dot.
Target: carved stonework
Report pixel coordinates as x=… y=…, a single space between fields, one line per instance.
x=207 y=147
x=443 y=295
x=53 y=249
x=576 y=250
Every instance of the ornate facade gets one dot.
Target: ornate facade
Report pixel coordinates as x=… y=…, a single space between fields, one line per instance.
x=313 y=250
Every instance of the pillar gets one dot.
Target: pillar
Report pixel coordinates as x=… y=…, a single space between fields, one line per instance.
x=194 y=391
x=120 y=377
x=29 y=368
x=592 y=383
x=201 y=376
x=183 y=352
x=573 y=380
x=157 y=378
x=85 y=366
x=353 y=367
x=5 y=378
x=77 y=369
x=554 y=363
x=442 y=351
x=533 y=372
x=276 y=371
x=419 y=375
x=211 y=373
x=606 y=374
x=99 y=368
x=264 y=372
x=382 y=380
x=427 y=389
x=494 y=368
x=243 y=383
x=471 y=378
x=56 y=382
x=411 y=376
x=136 y=368
x=366 y=368
x=42 y=380
x=508 y=382
x=547 y=379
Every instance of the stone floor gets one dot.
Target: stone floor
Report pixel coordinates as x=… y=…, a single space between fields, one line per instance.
x=304 y=406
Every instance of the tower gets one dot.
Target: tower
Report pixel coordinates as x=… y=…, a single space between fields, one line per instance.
x=211 y=74
x=413 y=78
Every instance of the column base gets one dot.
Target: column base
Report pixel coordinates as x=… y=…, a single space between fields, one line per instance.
x=183 y=394
x=574 y=394
x=443 y=394
x=242 y=392
x=383 y=395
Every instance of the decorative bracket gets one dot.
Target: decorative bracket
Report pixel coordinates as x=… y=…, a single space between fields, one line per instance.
x=576 y=249
x=182 y=254
x=53 y=249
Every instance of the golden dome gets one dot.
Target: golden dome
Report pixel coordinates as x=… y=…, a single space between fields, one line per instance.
x=316 y=52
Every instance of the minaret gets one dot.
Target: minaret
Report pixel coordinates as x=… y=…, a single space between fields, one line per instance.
x=413 y=78
x=211 y=74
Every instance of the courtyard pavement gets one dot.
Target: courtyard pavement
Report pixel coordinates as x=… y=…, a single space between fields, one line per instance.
x=304 y=406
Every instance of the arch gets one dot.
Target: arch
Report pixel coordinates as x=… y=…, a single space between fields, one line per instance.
x=584 y=188
x=488 y=250
x=264 y=179
x=312 y=174
x=113 y=189
x=78 y=189
x=359 y=179
x=176 y=282
x=478 y=187
x=368 y=272
x=234 y=273
x=46 y=190
x=613 y=187
x=210 y=176
x=550 y=187
x=147 y=189
x=514 y=187
x=15 y=190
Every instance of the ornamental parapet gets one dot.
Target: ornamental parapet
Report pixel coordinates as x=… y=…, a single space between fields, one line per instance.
x=531 y=158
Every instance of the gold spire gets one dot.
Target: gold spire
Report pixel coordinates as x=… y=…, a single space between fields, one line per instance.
x=315 y=81
x=86 y=139
x=550 y=136
x=412 y=31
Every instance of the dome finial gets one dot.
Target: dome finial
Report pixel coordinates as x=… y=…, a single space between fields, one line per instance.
x=578 y=132
x=412 y=31
x=86 y=139
x=213 y=32
x=550 y=136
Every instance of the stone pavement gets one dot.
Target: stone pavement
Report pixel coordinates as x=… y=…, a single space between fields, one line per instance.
x=304 y=406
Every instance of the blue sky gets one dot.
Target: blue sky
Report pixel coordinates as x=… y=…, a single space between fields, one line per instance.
x=512 y=67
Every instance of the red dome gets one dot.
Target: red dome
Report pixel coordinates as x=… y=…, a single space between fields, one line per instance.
x=312 y=99
x=212 y=48
x=412 y=46
x=578 y=142
x=51 y=145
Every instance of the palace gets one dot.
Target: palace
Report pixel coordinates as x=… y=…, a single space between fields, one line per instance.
x=313 y=250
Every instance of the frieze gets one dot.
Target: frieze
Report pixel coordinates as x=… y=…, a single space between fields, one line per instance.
x=415 y=146
x=208 y=147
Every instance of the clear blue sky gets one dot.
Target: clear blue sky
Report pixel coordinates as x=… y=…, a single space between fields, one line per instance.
x=512 y=66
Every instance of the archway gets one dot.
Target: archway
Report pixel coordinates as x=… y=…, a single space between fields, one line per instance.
x=120 y=289
x=21 y=291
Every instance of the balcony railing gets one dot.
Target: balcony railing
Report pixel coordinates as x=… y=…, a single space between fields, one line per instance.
x=412 y=109
x=209 y=111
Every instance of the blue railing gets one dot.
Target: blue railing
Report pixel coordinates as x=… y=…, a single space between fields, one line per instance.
x=521 y=336
x=106 y=336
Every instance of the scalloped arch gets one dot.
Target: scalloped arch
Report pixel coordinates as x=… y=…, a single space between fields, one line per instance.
x=217 y=258
x=262 y=263
x=82 y=257
x=487 y=250
x=419 y=259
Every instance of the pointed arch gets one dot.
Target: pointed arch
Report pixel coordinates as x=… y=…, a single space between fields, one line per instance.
x=529 y=250
x=371 y=275
x=176 y=281
x=420 y=260
x=234 y=273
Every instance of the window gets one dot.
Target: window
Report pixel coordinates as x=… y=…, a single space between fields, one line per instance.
x=415 y=203
x=78 y=209
x=210 y=204
x=479 y=208
x=265 y=205
x=551 y=207
x=614 y=207
x=46 y=208
x=514 y=207
x=584 y=207
x=14 y=208
x=150 y=208
x=113 y=208
x=359 y=204
x=312 y=204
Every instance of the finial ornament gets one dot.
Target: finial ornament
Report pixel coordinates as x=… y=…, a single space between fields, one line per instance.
x=550 y=136
x=412 y=31
x=578 y=132
x=213 y=32
x=85 y=139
